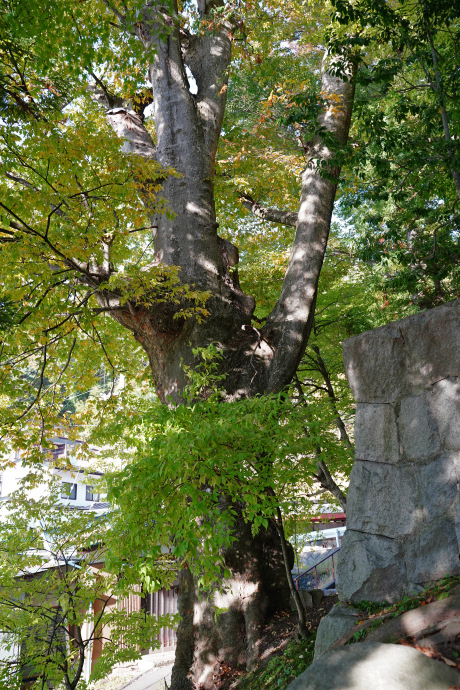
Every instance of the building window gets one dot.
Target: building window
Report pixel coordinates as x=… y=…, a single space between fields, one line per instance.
x=90 y=494
x=69 y=490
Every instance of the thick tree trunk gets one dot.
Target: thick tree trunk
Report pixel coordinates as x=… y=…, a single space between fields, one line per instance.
x=256 y=590
x=187 y=129
x=186 y=647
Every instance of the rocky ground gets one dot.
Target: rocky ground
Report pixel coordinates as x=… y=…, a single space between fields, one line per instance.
x=412 y=644
x=429 y=623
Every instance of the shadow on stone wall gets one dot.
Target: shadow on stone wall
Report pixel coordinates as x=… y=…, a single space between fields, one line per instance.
x=403 y=509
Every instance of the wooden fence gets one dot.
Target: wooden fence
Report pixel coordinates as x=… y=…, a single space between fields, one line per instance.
x=155 y=604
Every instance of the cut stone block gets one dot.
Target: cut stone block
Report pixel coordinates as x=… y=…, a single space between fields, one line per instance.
x=432 y=553
x=404 y=357
x=418 y=428
x=384 y=499
x=432 y=345
x=370 y=567
x=403 y=503
x=338 y=622
x=376 y=437
x=317 y=596
x=374 y=365
x=439 y=486
x=306 y=599
x=445 y=405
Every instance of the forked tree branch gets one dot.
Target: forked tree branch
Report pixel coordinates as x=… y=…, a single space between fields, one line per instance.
x=208 y=56
x=129 y=126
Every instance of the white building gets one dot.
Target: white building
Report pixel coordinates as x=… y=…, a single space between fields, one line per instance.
x=79 y=484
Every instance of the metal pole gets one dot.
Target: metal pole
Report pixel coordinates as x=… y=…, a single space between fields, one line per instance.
x=89 y=648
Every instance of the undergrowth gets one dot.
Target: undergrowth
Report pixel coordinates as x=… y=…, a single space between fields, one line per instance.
x=435 y=592
x=438 y=590
x=281 y=670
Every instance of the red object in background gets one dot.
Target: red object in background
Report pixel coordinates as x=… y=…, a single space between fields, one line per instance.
x=329 y=517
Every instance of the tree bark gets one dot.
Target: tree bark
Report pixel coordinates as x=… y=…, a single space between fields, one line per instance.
x=269 y=213
x=184 y=654
x=289 y=325
x=327 y=481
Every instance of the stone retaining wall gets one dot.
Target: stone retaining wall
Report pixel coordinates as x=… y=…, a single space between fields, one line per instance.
x=403 y=506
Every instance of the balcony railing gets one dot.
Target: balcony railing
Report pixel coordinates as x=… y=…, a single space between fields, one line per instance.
x=314 y=569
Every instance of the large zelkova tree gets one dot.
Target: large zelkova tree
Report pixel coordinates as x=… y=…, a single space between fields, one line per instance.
x=106 y=213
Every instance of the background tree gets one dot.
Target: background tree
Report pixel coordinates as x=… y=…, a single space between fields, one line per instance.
x=404 y=192
x=57 y=600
